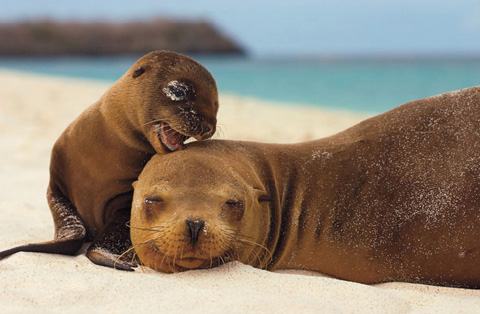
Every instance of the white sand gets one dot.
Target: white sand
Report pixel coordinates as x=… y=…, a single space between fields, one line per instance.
x=33 y=112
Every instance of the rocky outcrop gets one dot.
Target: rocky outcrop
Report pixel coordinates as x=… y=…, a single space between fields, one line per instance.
x=54 y=38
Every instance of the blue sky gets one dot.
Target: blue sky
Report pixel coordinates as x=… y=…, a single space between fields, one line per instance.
x=299 y=27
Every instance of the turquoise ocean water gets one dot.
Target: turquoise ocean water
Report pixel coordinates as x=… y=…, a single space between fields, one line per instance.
x=360 y=85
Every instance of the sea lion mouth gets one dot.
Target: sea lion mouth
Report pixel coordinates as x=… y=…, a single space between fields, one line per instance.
x=184 y=263
x=190 y=262
x=171 y=138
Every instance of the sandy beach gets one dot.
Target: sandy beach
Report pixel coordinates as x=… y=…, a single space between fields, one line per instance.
x=35 y=109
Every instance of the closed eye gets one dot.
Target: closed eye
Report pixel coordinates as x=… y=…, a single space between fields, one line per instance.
x=151 y=206
x=234 y=208
x=234 y=203
x=153 y=200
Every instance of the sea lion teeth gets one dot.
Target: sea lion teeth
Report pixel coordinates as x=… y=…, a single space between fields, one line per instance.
x=170 y=137
x=393 y=198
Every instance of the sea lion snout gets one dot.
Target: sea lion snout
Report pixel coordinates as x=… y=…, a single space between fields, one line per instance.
x=171 y=240
x=207 y=130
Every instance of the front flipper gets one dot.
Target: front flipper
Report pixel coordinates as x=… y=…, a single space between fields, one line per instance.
x=113 y=247
x=70 y=232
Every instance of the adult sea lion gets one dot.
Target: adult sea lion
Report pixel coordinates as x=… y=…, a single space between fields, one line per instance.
x=394 y=198
x=162 y=100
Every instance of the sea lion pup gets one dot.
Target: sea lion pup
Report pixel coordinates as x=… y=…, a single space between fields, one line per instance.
x=394 y=198
x=162 y=100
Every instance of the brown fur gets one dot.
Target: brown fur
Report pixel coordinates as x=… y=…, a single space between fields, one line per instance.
x=100 y=154
x=394 y=198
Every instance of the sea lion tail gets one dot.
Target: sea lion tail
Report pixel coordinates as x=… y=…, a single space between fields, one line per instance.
x=65 y=247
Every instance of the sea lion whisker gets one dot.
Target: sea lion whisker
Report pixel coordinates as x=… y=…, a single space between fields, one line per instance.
x=181 y=252
x=221 y=258
x=247 y=260
x=256 y=258
x=142 y=266
x=153 y=229
x=237 y=255
x=264 y=249
x=161 y=262
x=119 y=257
x=157 y=120
x=255 y=243
x=229 y=256
x=220 y=131
x=149 y=241
x=166 y=260
x=175 y=257
x=211 y=258
x=134 y=256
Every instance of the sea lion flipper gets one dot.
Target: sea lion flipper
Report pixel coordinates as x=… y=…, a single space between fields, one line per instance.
x=104 y=258
x=69 y=244
x=66 y=247
x=70 y=232
x=113 y=247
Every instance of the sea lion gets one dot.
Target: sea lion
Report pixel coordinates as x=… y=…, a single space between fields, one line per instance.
x=394 y=198
x=162 y=100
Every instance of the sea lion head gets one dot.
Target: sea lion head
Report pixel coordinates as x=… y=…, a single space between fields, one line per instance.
x=178 y=97
x=192 y=210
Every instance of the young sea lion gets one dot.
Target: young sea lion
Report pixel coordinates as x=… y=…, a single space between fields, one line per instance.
x=394 y=198
x=162 y=100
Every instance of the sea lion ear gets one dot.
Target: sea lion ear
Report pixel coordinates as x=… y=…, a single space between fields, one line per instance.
x=134 y=184
x=261 y=195
x=139 y=71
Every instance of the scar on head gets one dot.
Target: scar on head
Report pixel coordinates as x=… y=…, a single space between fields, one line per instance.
x=177 y=91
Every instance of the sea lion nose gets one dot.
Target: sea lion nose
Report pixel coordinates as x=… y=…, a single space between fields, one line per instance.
x=207 y=130
x=193 y=227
